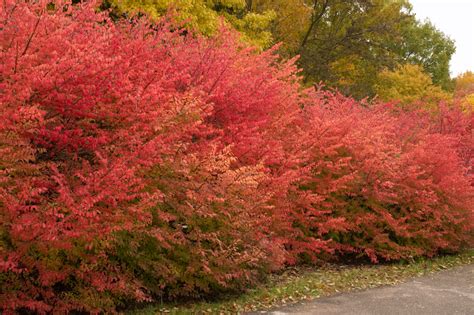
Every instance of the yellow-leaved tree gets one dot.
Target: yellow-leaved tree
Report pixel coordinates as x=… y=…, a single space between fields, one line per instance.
x=291 y=21
x=464 y=91
x=411 y=87
x=205 y=16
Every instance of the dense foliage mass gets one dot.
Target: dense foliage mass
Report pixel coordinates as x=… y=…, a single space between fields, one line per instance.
x=138 y=162
x=204 y=16
x=411 y=87
x=464 y=91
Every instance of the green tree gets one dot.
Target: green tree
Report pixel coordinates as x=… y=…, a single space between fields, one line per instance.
x=342 y=43
x=292 y=19
x=428 y=47
x=350 y=39
x=346 y=44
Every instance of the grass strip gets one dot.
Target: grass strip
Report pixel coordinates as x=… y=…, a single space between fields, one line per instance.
x=305 y=283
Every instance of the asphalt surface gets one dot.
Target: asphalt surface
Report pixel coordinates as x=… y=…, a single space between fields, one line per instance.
x=445 y=292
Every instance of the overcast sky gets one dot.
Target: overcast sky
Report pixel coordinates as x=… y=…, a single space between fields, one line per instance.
x=456 y=19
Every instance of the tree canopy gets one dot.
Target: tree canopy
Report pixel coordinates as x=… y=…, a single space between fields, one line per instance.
x=410 y=86
x=464 y=89
x=426 y=46
x=205 y=16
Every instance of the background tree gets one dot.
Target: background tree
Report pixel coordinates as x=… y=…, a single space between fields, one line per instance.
x=464 y=90
x=292 y=19
x=409 y=85
x=465 y=82
x=205 y=16
x=346 y=44
x=428 y=47
x=342 y=43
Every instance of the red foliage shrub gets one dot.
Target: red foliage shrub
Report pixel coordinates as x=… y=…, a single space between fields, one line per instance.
x=459 y=125
x=90 y=111
x=398 y=185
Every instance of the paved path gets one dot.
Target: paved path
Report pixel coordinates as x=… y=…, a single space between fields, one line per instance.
x=446 y=292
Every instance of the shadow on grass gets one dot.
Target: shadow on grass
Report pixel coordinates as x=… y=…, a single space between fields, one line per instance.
x=302 y=283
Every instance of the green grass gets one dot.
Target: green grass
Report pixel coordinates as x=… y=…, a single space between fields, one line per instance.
x=299 y=284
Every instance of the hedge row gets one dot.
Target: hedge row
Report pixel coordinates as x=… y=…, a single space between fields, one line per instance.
x=139 y=162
